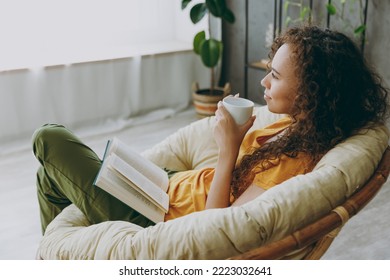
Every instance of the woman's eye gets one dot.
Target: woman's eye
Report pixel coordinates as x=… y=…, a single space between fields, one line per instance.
x=273 y=75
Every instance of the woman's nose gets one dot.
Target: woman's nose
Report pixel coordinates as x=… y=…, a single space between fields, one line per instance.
x=264 y=82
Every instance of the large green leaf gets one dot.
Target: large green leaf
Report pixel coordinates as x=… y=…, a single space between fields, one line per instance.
x=228 y=16
x=210 y=52
x=198 y=12
x=184 y=3
x=216 y=7
x=198 y=40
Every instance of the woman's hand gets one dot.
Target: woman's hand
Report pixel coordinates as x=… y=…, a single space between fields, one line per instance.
x=227 y=133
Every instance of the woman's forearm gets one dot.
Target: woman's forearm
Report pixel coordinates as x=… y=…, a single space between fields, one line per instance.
x=219 y=194
x=228 y=136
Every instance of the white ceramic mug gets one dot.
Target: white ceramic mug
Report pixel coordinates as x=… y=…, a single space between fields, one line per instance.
x=240 y=109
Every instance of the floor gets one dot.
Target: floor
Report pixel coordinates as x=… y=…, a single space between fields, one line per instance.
x=366 y=236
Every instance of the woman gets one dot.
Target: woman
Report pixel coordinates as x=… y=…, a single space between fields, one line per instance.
x=321 y=80
x=318 y=78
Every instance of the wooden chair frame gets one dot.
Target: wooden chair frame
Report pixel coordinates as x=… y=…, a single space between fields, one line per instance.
x=321 y=233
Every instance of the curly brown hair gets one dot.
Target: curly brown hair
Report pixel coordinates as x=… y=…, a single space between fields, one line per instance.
x=338 y=93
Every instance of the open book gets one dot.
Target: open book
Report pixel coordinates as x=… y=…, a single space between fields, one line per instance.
x=134 y=180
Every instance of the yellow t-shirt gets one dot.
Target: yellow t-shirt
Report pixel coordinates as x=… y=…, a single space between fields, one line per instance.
x=188 y=190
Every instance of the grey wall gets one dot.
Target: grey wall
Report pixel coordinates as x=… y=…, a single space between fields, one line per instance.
x=233 y=65
x=378 y=37
x=261 y=14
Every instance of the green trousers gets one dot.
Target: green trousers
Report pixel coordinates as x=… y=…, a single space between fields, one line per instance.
x=68 y=169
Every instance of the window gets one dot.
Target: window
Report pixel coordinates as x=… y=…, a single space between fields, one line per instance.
x=50 y=32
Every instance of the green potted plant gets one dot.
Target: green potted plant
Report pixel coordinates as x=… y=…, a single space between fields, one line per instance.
x=210 y=51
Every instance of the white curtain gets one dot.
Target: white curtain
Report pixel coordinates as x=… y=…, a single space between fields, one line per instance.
x=105 y=83
x=105 y=93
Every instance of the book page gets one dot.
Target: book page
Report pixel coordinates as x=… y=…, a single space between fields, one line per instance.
x=111 y=183
x=147 y=168
x=136 y=179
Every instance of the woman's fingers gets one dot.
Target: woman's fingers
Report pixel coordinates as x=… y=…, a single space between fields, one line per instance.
x=222 y=112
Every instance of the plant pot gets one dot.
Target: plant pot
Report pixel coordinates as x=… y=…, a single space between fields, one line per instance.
x=204 y=102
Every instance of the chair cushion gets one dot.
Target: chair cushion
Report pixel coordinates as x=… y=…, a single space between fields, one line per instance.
x=220 y=233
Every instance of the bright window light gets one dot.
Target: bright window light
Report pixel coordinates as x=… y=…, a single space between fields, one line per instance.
x=45 y=32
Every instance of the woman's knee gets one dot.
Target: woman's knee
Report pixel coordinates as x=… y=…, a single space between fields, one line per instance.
x=44 y=135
